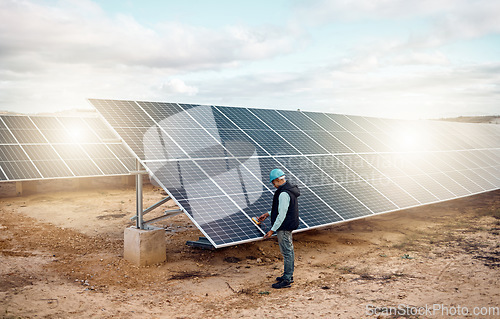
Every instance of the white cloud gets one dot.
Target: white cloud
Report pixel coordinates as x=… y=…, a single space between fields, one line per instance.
x=421 y=58
x=57 y=55
x=450 y=19
x=84 y=34
x=178 y=86
x=413 y=92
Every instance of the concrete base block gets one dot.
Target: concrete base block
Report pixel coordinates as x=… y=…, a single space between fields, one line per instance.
x=26 y=188
x=144 y=247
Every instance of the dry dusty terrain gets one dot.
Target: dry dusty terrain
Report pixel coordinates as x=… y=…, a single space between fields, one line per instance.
x=61 y=257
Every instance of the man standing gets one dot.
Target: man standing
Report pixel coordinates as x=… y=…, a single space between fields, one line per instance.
x=284 y=218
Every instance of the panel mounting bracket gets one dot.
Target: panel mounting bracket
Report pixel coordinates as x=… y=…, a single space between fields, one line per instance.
x=140 y=223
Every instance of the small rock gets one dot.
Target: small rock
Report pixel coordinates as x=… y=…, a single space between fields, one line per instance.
x=259 y=260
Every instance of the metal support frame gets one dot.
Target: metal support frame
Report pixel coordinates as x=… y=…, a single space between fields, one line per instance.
x=139 y=223
x=139 y=215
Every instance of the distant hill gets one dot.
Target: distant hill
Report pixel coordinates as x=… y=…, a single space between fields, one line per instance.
x=491 y=119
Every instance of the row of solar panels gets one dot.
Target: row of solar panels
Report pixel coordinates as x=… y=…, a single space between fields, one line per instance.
x=215 y=161
x=40 y=147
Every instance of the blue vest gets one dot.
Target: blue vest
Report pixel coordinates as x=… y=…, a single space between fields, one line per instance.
x=291 y=221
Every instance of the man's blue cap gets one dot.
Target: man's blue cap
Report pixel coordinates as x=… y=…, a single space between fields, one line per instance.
x=275 y=173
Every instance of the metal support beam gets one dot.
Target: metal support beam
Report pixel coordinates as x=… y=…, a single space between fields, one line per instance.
x=139 y=223
x=152 y=207
x=168 y=214
x=139 y=211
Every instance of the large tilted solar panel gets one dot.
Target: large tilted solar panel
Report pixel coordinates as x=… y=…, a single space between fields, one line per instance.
x=215 y=161
x=43 y=147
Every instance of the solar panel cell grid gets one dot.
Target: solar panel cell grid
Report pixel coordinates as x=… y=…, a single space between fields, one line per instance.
x=366 y=123
x=353 y=142
x=242 y=118
x=369 y=196
x=346 y=123
x=394 y=192
x=239 y=144
x=51 y=147
x=341 y=201
x=215 y=161
x=6 y=137
x=303 y=143
x=301 y=121
x=328 y=141
x=417 y=190
x=273 y=119
x=325 y=122
x=271 y=142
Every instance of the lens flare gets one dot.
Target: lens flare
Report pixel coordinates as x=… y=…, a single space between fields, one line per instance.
x=76 y=134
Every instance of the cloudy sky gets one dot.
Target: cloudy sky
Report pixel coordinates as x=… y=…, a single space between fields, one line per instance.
x=390 y=58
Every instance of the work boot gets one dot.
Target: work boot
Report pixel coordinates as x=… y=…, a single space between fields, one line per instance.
x=282 y=284
x=280 y=279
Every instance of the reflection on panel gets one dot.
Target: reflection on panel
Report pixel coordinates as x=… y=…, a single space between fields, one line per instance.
x=215 y=161
x=40 y=147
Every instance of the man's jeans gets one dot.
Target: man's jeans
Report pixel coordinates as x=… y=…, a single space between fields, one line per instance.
x=286 y=248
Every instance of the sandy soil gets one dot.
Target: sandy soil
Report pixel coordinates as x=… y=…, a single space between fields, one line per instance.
x=61 y=257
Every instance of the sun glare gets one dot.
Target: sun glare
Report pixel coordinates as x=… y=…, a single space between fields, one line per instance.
x=410 y=139
x=75 y=134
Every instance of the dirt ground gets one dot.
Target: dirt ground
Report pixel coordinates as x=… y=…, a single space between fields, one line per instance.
x=61 y=257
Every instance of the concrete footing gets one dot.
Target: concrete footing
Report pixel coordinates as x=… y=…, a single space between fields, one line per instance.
x=144 y=247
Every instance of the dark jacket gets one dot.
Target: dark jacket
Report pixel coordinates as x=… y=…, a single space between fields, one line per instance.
x=291 y=221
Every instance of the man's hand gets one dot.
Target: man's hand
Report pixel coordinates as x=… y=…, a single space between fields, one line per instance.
x=263 y=217
x=269 y=234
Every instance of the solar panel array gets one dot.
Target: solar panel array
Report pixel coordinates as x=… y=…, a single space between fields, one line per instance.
x=215 y=161
x=41 y=147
